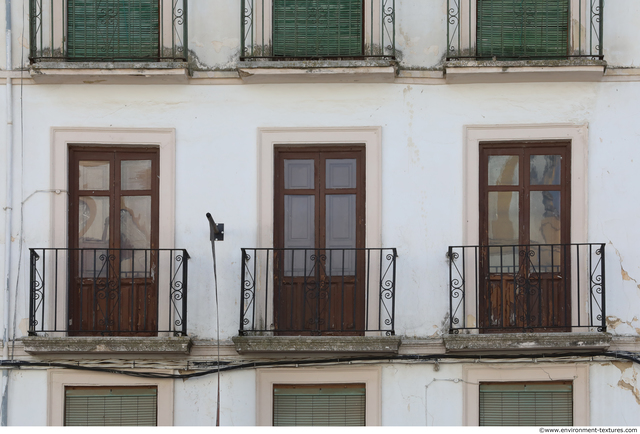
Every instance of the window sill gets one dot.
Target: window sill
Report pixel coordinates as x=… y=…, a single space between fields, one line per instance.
x=101 y=345
x=317 y=344
x=527 y=343
x=317 y=71
x=524 y=71
x=110 y=72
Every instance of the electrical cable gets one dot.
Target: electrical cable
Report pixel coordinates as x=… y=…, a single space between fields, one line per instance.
x=633 y=357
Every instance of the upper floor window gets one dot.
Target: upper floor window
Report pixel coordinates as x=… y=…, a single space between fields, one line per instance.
x=524 y=29
x=108 y=30
x=315 y=29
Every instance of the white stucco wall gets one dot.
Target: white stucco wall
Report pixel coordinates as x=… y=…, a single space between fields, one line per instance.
x=411 y=395
x=27 y=398
x=615 y=395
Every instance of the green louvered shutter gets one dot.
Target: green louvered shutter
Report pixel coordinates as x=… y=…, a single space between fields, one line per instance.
x=522 y=28
x=526 y=404
x=317 y=28
x=113 y=29
x=111 y=406
x=319 y=405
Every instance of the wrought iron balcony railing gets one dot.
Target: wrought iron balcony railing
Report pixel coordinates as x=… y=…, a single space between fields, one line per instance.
x=108 y=292
x=293 y=292
x=527 y=288
x=108 y=30
x=317 y=29
x=524 y=29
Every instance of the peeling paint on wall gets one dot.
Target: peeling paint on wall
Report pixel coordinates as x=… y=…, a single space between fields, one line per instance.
x=613 y=322
x=629 y=380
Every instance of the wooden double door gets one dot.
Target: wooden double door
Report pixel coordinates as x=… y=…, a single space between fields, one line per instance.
x=525 y=256
x=319 y=231
x=113 y=231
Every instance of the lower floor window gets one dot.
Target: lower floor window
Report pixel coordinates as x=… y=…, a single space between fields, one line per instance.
x=111 y=406
x=526 y=404
x=319 y=404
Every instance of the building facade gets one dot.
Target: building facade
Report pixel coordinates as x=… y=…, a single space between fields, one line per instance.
x=415 y=200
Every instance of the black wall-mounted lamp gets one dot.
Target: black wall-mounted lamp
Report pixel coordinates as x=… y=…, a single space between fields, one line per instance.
x=216 y=231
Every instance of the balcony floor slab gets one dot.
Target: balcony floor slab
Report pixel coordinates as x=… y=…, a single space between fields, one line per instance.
x=524 y=71
x=100 y=345
x=109 y=73
x=317 y=344
x=527 y=343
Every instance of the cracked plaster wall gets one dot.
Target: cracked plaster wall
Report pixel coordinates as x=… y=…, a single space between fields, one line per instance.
x=615 y=394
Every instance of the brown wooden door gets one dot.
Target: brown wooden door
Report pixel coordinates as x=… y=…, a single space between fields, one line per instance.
x=319 y=283
x=524 y=235
x=113 y=231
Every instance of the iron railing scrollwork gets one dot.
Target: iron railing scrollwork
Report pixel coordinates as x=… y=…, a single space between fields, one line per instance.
x=108 y=292
x=318 y=291
x=263 y=20
x=527 y=288
x=108 y=30
x=524 y=29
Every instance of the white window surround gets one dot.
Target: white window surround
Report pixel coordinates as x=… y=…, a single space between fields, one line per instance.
x=473 y=375
x=370 y=137
x=64 y=137
x=266 y=378
x=578 y=136
x=58 y=379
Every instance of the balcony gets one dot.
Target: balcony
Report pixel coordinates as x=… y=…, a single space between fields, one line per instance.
x=98 y=38
x=108 y=292
x=318 y=292
x=533 y=39
x=544 y=296
x=527 y=288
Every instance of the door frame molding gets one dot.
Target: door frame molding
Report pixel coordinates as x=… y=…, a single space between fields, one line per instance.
x=61 y=139
x=369 y=137
x=578 y=135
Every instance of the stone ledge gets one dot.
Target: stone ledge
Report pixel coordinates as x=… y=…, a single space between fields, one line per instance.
x=110 y=72
x=527 y=343
x=100 y=345
x=524 y=71
x=314 y=344
x=317 y=71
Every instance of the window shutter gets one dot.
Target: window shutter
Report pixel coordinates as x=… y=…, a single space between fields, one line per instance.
x=317 y=28
x=526 y=404
x=319 y=405
x=522 y=28
x=113 y=29
x=110 y=406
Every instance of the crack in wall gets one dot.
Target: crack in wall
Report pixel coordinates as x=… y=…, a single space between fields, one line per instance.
x=623 y=272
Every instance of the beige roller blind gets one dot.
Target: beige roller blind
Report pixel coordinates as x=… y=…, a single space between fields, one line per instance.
x=319 y=405
x=111 y=406
x=526 y=404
